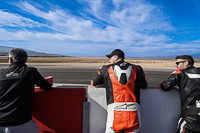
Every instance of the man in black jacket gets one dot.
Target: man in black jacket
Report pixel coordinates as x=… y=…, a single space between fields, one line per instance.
x=17 y=84
x=187 y=78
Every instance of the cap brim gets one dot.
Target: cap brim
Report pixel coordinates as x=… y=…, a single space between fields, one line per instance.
x=109 y=55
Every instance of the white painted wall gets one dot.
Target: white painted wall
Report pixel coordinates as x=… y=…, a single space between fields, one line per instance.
x=160 y=110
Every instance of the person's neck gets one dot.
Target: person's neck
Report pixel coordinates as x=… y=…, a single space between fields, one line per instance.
x=119 y=60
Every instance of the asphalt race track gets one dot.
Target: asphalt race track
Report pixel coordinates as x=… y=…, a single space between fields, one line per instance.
x=83 y=75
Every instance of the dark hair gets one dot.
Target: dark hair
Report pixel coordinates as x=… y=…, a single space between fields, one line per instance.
x=18 y=55
x=188 y=58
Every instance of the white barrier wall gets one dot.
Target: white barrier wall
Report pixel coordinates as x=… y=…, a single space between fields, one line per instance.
x=160 y=110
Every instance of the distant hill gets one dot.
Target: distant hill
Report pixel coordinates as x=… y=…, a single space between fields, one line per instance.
x=4 y=51
x=161 y=57
x=170 y=57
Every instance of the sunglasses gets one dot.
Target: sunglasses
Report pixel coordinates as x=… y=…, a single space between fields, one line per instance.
x=177 y=63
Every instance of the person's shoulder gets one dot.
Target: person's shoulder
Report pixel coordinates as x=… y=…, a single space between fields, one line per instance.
x=137 y=66
x=31 y=68
x=198 y=68
x=3 y=69
x=105 y=66
x=193 y=70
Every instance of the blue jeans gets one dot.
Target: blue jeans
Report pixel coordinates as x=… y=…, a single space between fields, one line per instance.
x=29 y=127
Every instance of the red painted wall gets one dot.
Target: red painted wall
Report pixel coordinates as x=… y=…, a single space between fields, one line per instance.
x=59 y=110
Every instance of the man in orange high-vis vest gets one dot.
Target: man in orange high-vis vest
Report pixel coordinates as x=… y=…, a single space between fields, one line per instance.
x=122 y=81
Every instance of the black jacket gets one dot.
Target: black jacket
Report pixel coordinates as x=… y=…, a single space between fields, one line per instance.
x=17 y=84
x=188 y=82
x=103 y=77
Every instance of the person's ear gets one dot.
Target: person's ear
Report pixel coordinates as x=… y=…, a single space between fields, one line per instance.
x=10 y=60
x=116 y=57
x=186 y=63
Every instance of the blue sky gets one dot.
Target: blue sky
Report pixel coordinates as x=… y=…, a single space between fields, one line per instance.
x=95 y=27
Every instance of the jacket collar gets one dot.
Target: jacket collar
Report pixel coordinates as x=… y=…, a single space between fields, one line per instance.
x=119 y=62
x=17 y=63
x=190 y=67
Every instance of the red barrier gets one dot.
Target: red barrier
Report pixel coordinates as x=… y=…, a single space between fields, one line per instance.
x=59 y=110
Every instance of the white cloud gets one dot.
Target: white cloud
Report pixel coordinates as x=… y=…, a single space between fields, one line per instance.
x=133 y=25
x=135 y=17
x=15 y=20
x=60 y=20
x=137 y=21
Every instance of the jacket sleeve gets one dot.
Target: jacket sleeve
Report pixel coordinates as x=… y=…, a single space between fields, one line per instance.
x=98 y=79
x=142 y=79
x=172 y=81
x=40 y=81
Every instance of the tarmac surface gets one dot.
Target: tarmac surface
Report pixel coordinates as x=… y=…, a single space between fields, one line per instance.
x=84 y=74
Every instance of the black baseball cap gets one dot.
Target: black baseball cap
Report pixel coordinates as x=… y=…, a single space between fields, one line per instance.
x=117 y=52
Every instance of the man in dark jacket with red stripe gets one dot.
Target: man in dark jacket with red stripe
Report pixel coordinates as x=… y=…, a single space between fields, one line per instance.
x=122 y=81
x=187 y=78
x=17 y=84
